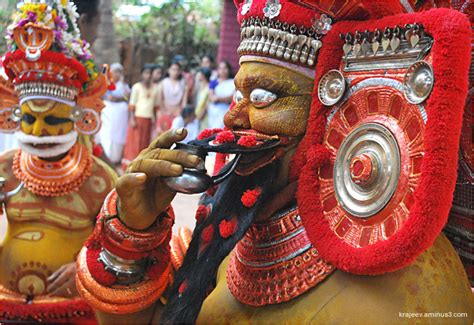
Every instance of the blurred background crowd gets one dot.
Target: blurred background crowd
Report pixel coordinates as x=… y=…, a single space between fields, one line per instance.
x=164 y=97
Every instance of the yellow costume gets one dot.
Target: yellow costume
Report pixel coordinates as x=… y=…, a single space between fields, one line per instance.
x=52 y=186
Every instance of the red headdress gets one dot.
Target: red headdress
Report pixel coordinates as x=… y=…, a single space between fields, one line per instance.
x=377 y=166
x=47 y=59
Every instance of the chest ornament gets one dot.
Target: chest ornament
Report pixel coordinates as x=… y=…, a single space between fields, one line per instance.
x=275 y=262
x=53 y=178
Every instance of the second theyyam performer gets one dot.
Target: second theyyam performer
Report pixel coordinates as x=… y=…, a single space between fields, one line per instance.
x=345 y=129
x=52 y=187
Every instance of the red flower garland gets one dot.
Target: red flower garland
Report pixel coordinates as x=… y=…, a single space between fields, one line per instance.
x=48 y=56
x=249 y=198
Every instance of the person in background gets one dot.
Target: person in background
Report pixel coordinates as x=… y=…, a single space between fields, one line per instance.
x=207 y=62
x=187 y=120
x=172 y=97
x=156 y=77
x=142 y=106
x=89 y=19
x=202 y=97
x=220 y=95
x=114 y=117
x=186 y=75
x=157 y=74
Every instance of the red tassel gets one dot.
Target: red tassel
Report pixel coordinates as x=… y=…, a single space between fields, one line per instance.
x=228 y=228
x=207 y=234
x=212 y=190
x=97 y=150
x=225 y=137
x=202 y=213
x=183 y=286
x=206 y=133
x=249 y=198
x=247 y=141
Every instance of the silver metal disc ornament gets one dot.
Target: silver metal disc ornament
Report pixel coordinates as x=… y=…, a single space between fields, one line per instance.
x=418 y=82
x=331 y=87
x=366 y=170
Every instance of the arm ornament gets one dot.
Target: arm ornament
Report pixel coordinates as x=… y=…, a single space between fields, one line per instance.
x=122 y=270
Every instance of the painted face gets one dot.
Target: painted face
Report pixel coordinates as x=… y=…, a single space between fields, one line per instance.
x=271 y=100
x=42 y=118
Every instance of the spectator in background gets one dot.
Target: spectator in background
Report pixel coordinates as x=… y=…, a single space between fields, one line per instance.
x=202 y=97
x=157 y=74
x=114 y=117
x=89 y=18
x=156 y=77
x=208 y=62
x=187 y=120
x=142 y=107
x=172 y=97
x=220 y=95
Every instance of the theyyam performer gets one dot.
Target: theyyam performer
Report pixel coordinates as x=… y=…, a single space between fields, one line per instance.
x=52 y=188
x=334 y=178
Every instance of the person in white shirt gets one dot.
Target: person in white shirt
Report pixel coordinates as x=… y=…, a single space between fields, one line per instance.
x=188 y=120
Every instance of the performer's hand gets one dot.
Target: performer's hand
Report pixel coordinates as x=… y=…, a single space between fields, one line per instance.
x=62 y=282
x=143 y=195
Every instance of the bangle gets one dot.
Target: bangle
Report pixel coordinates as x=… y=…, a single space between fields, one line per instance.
x=117 y=254
x=120 y=238
x=122 y=299
x=125 y=242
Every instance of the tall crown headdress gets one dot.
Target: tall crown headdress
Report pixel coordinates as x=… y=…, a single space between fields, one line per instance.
x=290 y=32
x=47 y=59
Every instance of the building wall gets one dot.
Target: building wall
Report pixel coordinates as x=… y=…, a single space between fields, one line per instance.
x=229 y=35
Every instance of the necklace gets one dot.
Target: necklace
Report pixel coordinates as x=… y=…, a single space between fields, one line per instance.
x=275 y=262
x=53 y=178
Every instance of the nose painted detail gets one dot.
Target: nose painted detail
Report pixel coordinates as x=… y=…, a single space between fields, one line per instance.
x=238 y=115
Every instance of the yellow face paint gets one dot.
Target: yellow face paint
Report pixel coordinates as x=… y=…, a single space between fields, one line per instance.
x=287 y=115
x=46 y=118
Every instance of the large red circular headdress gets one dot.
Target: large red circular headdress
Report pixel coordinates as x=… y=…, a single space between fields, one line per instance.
x=377 y=167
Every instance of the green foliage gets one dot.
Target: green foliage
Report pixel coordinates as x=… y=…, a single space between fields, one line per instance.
x=176 y=27
x=4 y=22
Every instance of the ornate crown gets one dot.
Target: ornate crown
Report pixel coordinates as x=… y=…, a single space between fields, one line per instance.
x=291 y=31
x=47 y=58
